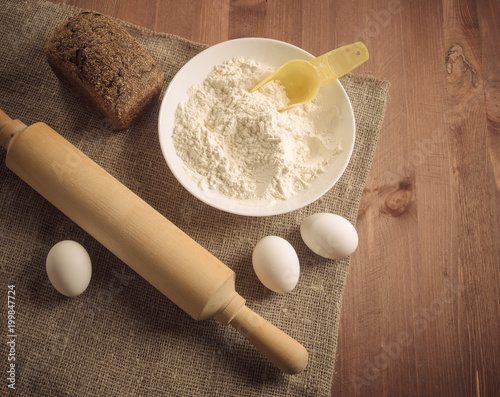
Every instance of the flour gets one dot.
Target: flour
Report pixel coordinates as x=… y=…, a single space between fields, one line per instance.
x=236 y=143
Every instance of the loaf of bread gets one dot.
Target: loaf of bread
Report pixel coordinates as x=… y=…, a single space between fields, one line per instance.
x=103 y=65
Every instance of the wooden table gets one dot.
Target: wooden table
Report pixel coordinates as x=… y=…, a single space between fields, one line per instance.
x=421 y=310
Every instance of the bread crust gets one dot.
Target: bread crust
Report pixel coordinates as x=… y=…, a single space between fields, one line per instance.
x=103 y=65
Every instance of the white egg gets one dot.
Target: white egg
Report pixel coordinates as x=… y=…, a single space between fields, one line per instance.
x=329 y=235
x=69 y=268
x=276 y=264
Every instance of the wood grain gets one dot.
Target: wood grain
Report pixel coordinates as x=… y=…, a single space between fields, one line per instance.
x=421 y=310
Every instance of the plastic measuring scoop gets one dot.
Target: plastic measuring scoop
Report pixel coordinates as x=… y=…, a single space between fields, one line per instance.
x=302 y=79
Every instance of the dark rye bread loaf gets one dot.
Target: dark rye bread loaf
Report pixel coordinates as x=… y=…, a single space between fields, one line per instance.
x=104 y=66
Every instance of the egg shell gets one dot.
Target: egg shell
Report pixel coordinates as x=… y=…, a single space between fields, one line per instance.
x=69 y=268
x=329 y=235
x=276 y=264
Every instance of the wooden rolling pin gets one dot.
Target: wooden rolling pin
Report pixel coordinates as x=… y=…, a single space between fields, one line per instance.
x=166 y=257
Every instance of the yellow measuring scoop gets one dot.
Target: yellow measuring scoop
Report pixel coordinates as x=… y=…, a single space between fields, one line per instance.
x=302 y=79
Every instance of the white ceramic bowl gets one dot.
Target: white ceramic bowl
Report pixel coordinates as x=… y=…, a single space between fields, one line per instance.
x=270 y=52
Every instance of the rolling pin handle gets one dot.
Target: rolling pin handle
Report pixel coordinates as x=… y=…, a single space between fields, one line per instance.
x=281 y=349
x=9 y=129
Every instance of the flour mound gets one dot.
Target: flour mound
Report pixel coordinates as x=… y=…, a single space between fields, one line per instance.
x=236 y=143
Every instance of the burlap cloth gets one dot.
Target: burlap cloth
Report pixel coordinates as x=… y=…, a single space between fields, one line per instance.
x=122 y=337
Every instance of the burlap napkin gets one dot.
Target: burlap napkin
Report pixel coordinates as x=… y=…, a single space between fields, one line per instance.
x=122 y=337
